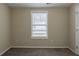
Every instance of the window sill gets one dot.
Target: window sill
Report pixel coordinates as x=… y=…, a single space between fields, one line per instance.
x=39 y=38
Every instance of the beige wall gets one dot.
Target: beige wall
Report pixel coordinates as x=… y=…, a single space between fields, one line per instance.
x=4 y=27
x=74 y=23
x=57 y=27
x=72 y=27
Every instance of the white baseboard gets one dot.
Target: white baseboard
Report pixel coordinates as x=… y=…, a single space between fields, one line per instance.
x=39 y=47
x=5 y=51
x=73 y=51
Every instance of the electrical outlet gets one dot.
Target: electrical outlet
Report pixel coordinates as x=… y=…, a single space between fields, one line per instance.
x=76 y=46
x=76 y=29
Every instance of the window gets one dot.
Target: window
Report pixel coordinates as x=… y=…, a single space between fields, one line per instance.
x=39 y=25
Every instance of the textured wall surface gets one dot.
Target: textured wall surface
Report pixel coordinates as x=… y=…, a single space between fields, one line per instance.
x=57 y=27
x=4 y=27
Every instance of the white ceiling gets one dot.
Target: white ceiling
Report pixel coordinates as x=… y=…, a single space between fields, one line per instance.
x=39 y=4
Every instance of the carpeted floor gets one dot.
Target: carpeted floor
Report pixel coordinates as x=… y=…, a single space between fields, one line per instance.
x=39 y=52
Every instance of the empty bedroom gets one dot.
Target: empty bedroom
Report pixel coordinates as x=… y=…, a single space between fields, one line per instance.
x=39 y=29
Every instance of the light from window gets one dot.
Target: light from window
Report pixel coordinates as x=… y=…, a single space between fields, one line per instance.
x=39 y=25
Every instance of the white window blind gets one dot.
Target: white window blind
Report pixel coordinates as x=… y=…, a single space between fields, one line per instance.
x=39 y=25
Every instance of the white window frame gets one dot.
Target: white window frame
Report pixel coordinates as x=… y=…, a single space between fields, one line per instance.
x=47 y=25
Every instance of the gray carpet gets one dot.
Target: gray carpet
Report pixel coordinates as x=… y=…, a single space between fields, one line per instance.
x=39 y=52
